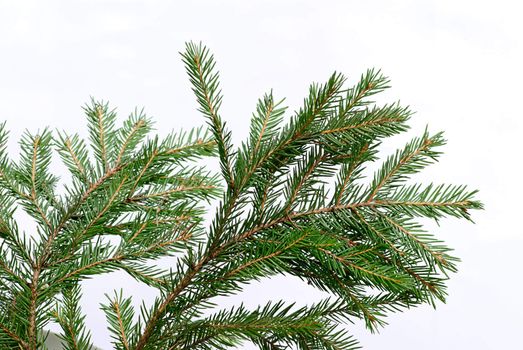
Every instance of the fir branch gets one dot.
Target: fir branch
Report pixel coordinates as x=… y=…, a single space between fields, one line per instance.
x=264 y=125
x=73 y=151
x=70 y=318
x=362 y=244
x=200 y=68
x=135 y=128
x=96 y=262
x=312 y=110
x=36 y=158
x=439 y=256
x=432 y=201
x=230 y=327
x=119 y=314
x=415 y=156
x=101 y=132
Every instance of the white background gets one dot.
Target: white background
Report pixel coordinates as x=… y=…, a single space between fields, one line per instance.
x=457 y=63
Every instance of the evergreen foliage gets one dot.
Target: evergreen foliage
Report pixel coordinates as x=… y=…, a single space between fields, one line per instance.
x=293 y=200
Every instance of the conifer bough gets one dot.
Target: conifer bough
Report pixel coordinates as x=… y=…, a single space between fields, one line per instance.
x=293 y=200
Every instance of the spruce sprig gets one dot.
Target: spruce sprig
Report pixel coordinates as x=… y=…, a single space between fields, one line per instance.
x=295 y=201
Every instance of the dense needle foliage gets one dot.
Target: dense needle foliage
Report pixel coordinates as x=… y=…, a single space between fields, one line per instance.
x=293 y=200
